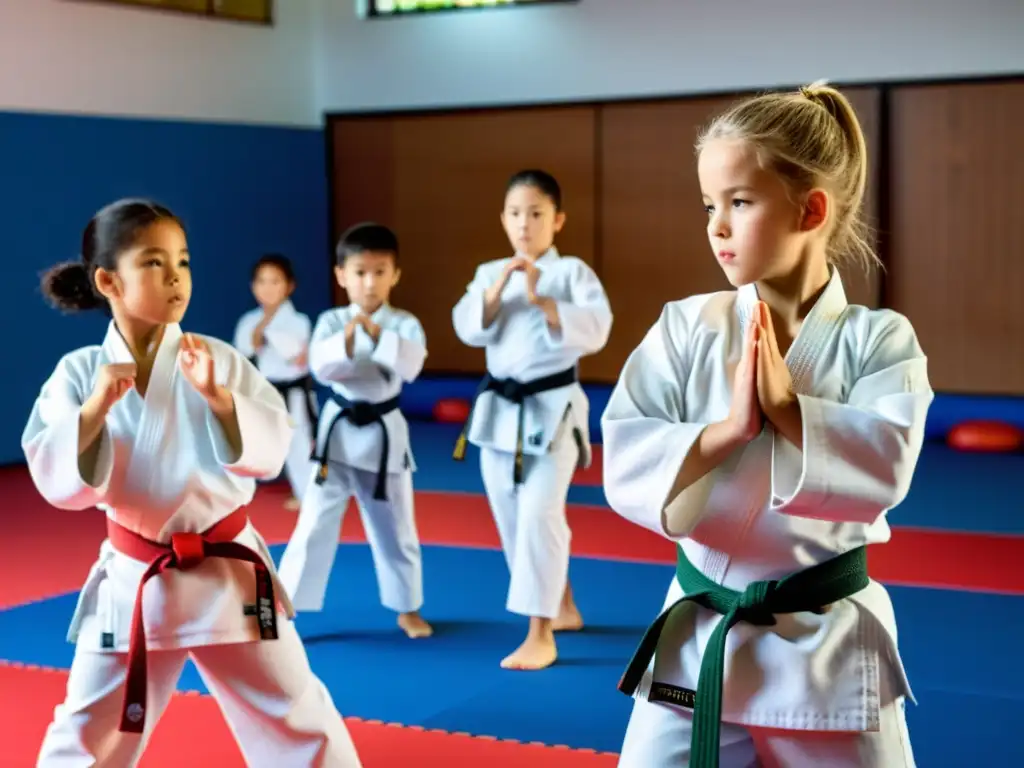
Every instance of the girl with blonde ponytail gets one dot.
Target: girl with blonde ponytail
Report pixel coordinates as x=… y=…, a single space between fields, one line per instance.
x=768 y=430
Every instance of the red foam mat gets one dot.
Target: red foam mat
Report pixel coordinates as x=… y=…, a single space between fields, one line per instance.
x=591 y=475
x=45 y=552
x=209 y=741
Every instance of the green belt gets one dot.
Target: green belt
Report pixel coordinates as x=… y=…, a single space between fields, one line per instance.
x=809 y=590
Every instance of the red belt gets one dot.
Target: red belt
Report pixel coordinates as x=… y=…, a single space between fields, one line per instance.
x=185 y=551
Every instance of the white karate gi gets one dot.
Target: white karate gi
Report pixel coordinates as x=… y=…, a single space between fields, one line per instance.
x=769 y=511
x=373 y=374
x=519 y=345
x=163 y=467
x=287 y=338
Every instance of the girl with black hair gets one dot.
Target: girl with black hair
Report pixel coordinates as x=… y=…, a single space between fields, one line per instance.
x=166 y=432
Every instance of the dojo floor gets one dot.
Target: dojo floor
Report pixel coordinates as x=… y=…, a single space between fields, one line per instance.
x=958 y=593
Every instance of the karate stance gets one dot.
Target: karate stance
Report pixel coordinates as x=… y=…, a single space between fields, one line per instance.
x=536 y=314
x=768 y=430
x=165 y=431
x=365 y=352
x=275 y=338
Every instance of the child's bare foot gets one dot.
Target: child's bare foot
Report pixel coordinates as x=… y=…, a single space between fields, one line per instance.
x=538 y=650
x=413 y=625
x=533 y=654
x=569 y=618
x=293 y=504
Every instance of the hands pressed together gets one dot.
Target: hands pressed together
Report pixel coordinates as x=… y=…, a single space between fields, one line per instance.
x=527 y=266
x=763 y=387
x=361 y=320
x=259 y=340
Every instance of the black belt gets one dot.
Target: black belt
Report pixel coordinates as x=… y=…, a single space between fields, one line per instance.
x=515 y=392
x=305 y=385
x=359 y=413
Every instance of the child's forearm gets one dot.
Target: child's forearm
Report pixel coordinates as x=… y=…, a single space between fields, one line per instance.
x=223 y=408
x=492 y=305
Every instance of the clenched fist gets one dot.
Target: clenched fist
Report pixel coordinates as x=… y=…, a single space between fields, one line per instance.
x=112 y=383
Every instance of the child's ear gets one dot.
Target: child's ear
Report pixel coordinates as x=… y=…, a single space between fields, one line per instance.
x=815 y=210
x=339 y=275
x=107 y=283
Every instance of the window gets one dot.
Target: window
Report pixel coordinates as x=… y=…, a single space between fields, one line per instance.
x=402 y=7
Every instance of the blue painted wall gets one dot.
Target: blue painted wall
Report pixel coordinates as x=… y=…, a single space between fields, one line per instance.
x=241 y=190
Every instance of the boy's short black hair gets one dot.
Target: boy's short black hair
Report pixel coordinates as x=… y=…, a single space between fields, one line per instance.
x=365 y=237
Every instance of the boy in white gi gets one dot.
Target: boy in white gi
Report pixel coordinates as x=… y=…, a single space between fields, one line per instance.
x=365 y=352
x=275 y=338
x=166 y=432
x=536 y=314
x=768 y=430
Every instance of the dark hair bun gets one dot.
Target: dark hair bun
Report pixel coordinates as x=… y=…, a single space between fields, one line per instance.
x=69 y=288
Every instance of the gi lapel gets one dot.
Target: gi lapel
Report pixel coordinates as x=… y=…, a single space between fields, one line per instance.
x=819 y=327
x=157 y=402
x=282 y=317
x=381 y=317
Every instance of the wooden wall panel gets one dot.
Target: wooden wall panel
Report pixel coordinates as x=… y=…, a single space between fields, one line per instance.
x=957 y=247
x=439 y=180
x=654 y=245
x=363 y=158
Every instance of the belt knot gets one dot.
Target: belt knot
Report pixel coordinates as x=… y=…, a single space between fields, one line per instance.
x=189 y=550
x=752 y=604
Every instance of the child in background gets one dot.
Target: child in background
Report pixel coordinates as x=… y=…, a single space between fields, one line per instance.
x=275 y=337
x=536 y=314
x=364 y=352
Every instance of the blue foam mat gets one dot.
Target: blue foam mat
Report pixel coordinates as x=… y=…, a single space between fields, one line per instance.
x=951 y=491
x=958 y=648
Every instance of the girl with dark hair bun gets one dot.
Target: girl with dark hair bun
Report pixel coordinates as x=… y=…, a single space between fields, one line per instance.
x=166 y=432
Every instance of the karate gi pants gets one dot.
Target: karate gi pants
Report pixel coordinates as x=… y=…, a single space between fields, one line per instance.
x=532 y=525
x=297 y=464
x=390 y=529
x=278 y=710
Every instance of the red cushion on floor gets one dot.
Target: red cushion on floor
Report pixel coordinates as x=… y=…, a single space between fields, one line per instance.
x=451 y=410
x=986 y=437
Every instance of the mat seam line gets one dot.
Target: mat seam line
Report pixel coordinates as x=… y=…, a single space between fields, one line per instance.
x=352 y=719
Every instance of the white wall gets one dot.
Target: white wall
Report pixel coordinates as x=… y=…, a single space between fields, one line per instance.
x=83 y=57
x=616 y=48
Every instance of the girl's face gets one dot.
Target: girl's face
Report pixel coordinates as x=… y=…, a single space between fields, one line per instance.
x=756 y=229
x=530 y=220
x=153 y=280
x=271 y=287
